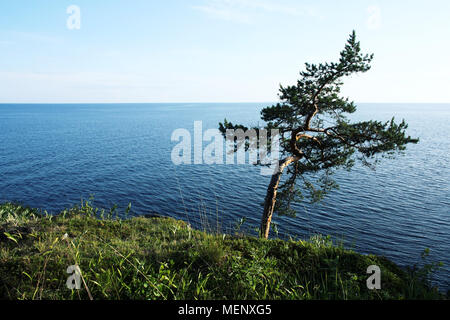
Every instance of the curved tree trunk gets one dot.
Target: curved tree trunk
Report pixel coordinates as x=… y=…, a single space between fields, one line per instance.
x=271 y=197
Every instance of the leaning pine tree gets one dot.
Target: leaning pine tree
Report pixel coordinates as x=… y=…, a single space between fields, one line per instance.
x=316 y=137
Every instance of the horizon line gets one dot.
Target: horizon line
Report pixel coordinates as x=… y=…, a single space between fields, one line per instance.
x=204 y=102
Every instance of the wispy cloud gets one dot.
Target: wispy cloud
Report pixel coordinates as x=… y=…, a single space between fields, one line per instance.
x=10 y=37
x=244 y=11
x=104 y=79
x=27 y=87
x=219 y=10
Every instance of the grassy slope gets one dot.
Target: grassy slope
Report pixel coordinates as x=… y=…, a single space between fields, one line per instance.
x=162 y=258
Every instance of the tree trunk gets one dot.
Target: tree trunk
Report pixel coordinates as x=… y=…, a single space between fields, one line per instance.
x=271 y=197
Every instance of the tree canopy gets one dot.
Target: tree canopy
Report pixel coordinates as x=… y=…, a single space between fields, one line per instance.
x=317 y=137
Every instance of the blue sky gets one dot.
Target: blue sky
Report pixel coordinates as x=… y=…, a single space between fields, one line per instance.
x=217 y=50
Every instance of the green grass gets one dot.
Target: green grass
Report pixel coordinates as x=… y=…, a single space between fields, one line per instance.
x=162 y=258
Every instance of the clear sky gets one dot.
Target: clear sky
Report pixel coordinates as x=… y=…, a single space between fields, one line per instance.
x=217 y=50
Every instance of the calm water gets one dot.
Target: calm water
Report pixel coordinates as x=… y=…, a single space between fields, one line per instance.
x=53 y=155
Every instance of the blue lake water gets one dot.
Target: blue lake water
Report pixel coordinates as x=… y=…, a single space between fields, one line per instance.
x=51 y=156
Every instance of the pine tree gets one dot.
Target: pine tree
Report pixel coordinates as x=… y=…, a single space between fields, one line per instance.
x=316 y=136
